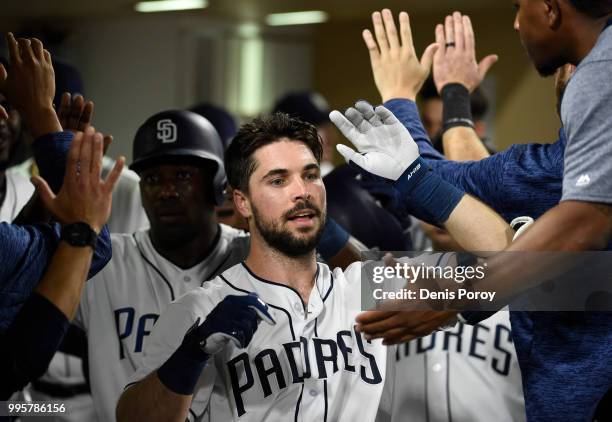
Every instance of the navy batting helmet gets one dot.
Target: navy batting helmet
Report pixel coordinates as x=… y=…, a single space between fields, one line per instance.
x=179 y=133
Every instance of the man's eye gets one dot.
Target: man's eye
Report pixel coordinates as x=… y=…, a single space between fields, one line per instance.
x=183 y=175
x=276 y=182
x=312 y=176
x=150 y=179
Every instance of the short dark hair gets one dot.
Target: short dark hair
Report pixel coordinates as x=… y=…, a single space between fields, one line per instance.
x=593 y=8
x=239 y=162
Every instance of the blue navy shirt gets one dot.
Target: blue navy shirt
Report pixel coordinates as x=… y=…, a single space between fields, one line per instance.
x=25 y=251
x=565 y=358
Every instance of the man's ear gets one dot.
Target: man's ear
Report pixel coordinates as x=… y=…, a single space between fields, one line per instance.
x=553 y=13
x=242 y=203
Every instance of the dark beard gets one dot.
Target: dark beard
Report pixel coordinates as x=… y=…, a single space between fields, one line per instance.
x=282 y=240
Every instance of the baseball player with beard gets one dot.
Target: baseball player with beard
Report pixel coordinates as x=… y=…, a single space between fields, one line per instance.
x=179 y=158
x=209 y=358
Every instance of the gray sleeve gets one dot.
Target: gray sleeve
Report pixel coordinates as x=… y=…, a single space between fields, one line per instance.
x=587 y=119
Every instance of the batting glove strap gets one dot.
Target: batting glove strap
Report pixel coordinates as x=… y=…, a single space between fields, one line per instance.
x=180 y=373
x=426 y=195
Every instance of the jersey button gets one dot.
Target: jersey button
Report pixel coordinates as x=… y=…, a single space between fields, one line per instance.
x=298 y=307
x=313 y=393
x=437 y=367
x=187 y=278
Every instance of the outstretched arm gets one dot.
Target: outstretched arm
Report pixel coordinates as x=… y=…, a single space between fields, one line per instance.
x=388 y=151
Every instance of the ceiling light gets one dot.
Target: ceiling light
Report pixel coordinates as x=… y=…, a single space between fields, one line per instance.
x=169 y=5
x=296 y=18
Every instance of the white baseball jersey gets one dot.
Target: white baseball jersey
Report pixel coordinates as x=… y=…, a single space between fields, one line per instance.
x=19 y=190
x=310 y=366
x=467 y=373
x=122 y=302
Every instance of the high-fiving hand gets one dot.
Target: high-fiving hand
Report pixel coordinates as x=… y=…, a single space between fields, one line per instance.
x=398 y=73
x=455 y=59
x=30 y=84
x=385 y=146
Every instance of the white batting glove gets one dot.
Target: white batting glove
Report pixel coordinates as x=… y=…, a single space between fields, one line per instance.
x=385 y=146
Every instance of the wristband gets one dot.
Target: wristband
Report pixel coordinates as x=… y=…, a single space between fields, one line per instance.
x=334 y=238
x=457 y=109
x=426 y=195
x=180 y=373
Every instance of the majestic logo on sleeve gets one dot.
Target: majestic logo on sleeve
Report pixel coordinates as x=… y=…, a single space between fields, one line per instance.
x=583 y=180
x=166 y=131
x=274 y=370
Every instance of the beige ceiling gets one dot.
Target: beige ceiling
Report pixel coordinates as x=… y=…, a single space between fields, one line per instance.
x=241 y=10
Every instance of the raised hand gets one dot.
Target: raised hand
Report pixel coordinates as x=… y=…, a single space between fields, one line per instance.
x=30 y=84
x=455 y=59
x=398 y=73
x=75 y=114
x=84 y=196
x=385 y=146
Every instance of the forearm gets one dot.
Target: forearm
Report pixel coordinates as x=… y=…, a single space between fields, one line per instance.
x=42 y=120
x=478 y=228
x=64 y=279
x=31 y=342
x=463 y=144
x=150 y=400
x=351 y=252
x=568 y=227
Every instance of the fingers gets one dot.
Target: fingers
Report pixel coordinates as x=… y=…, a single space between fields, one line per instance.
x=372 y=47
x=13 y=49
x=346 y=152
x=25 y=47
x=385 y=115
x=405 y=31
x=72 y=163
x=3 y=114
x=458 y=31
x=76 y=110
x=369 y=317
x=85 y=157
x=350 y=155
x=343 y=124
x=115 y=173
x=64 y=110
x=390 y=29
x=440 y=39
x=379 y=31
x=485 y=64
x=44 y=191
x=47 y=57
x=108 y=140
x=96 y=160
x=86 y=117
x=468 y=35
x=399 y=338
x=428 y=57
x=368 y=113
x=449 y=31
x=356 y=119
x=37 y=49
